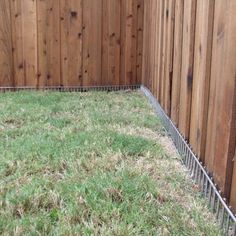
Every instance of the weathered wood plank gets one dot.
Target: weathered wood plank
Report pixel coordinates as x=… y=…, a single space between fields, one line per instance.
x=148 y=42
x=71 y=16
x=187 y=66
x=126 y=72
x=134 y=41
x=160 y=49
x=92 y=42
x=140 y=19
x=152 y=35
x=111 y=42
x=6 y=59
x=17 y=43
x=169 y=55
x=233 y=186
x=201 y=75
x=221 y=129
x=156 y=39
x=145 y=45
x=177 y=61
x=48 y=21
x=164 y=54
x=29 y=28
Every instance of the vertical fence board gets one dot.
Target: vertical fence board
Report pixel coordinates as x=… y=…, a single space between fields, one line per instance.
x=155 y=48
x=187 y=66
x=177 y=63
x=233 y=185
x=160 y=48
x=226 y=96
x=145 y=45
x=17 y=41
x=164 y=46
x=201 y=75
x=220 y=144
x=71 y=17
x=126 y=41
x=140 y=18
x=106 y=21
x=43 y=43
x=148 y=35
x=169 y=54
x=48 y=20
x=29 y=26
x=152 y=45
x=111 y=42
x=134 y=41
x=6 y=60
x=92 y=42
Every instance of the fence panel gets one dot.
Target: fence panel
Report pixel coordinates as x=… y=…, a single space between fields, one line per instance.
x=203 y=85
x=45 y=43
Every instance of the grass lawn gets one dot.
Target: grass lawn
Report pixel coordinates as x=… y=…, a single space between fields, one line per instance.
x=92 y=163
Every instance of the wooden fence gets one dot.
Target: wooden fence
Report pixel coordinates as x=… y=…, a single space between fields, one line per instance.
x=183 y=50
x=70 y=42
x=189 y=63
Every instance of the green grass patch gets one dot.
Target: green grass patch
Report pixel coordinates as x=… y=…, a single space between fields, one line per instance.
x=92 y=163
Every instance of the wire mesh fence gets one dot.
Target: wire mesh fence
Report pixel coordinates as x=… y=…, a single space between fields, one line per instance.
x=71 y=88
x=197 y=171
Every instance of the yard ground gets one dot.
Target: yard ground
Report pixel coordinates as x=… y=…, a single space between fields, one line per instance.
x=92 y=163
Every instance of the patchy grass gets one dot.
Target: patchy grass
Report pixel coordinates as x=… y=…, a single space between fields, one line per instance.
x=92 y=164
